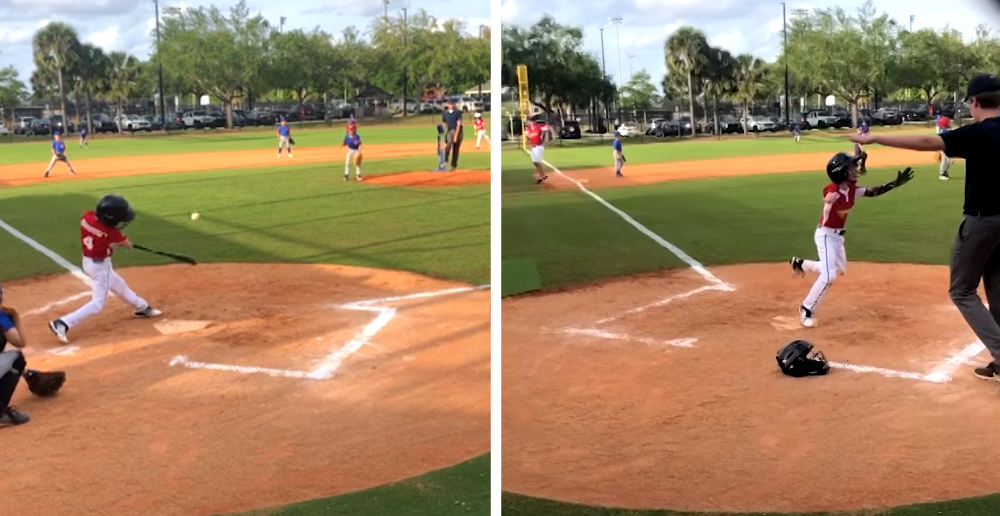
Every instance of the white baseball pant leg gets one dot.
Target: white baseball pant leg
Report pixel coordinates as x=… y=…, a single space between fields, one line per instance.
x=537 y=153
x=480 y=135
x=831 y=264
x=105 y=280
x=946 y=163
x=351 y=153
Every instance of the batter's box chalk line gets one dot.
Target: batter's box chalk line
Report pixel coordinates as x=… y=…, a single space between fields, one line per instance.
x=326 y=368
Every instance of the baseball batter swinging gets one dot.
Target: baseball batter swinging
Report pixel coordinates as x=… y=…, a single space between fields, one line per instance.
x=838 y=200
x=100 y=230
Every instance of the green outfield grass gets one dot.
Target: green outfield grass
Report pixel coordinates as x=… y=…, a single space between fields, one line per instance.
x=588 y=153
x=572 y=240
x=420 y=130
x=294 y=213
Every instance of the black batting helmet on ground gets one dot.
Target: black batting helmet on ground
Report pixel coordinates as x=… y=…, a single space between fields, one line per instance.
x=839 y=165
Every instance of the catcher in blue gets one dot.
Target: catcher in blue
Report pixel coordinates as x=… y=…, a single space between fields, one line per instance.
x=13 y=367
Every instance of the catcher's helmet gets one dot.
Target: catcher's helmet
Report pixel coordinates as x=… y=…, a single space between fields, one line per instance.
x=113 y=210
x=839 y=165
x=798 y=359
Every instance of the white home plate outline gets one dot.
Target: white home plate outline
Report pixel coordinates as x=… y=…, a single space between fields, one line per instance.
x=942 y=373
x=328 y=366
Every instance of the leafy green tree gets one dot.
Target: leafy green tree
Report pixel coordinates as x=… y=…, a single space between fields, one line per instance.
x=719 y=79
x=55 y=49
x=749 y=75
x=12 y=90
x=90 y=76
x=639 y=92
x=123 y=72
x=686 y=51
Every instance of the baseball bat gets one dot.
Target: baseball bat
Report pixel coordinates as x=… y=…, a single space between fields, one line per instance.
x=176 y=256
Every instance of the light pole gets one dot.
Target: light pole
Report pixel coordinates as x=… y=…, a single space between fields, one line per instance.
x=784 y=23
x=405 y=75
x=631 y=72
x=385 y=9
x=912 y=16
x=159 y=60
x=604 y=69
x=617 y=21
x=281 y=25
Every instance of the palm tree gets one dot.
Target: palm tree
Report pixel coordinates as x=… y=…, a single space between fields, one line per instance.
x=91 y=73
x=685 y=50
x=749 y=81
x=55 y=47
x=123 y=72
x=719 y=79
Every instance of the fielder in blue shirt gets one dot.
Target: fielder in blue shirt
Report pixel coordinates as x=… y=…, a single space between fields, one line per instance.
x=285 y=138
x=83 y=136
x=353 y=143
x=618 y=154
x=58 y=153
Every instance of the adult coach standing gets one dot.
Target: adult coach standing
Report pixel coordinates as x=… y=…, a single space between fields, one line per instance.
x=975 y=254
x=452 y=119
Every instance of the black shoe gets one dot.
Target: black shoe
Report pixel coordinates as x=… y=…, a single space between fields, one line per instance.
x=11 y=417
x=797 y=266
x=987 y=372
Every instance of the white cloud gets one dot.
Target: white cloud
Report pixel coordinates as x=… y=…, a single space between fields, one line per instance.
x=106 y=39
x=13 y=37
x=508 y=11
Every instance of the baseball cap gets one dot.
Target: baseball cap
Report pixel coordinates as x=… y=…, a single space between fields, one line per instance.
x=617 y=133
x=982 y=83
x=56 y=133
x=478 y=115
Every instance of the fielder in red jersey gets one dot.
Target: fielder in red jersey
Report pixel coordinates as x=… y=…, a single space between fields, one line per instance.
x=838 y=201
x=538 y=132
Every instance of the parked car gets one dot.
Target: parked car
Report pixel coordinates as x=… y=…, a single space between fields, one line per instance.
x=281 y=113
x=260 y=118
x=469 y=104
x=103 y=123
x=685 y=125
x=3 y=128
x=885 y=116
x=132 y=123
x=197 y=119
x=819 y=119
x=779 y=123
x=39 y=126
x=668 y=128
x=570 y=130
x=759 y=123
x=23 y=125
x=155 y=122
x=56 y=123
x=629 y=129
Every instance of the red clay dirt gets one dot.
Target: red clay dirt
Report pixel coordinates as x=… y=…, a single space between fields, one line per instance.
x=131 y=434
x=642 y=423
x=727 y=167
x=28 y=173
x=454 y=178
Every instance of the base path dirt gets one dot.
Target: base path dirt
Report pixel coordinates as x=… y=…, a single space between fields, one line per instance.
x=28 y=173
x=138 y=430
x=682 y=406
x=453 y=178
x=641 y=174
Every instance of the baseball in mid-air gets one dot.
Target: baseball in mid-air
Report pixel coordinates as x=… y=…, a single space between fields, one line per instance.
x=195 y=216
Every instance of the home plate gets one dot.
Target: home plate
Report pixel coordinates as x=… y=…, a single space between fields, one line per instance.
x=170 y=327
x=784 y=322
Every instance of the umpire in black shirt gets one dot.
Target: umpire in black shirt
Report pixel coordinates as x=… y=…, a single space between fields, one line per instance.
x=975 y=254
x=453 y=139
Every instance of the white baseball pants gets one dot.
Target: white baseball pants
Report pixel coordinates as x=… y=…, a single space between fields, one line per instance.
x=946 y=163
x=537 y=153
x=351 y=153
x=831 y=264
x=480 y=135
x=105 y=280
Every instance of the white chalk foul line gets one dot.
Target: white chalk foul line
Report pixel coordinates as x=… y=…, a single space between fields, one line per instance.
x=332 y=362
x=183 y=361
x=42 y=309
x=601 y=334
x=420 y=295
x=694 y=264
x=888 y=373
x=667 y=300
x=944 y=371
x=62 y=262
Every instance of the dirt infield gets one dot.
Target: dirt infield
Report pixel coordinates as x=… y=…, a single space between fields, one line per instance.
x=455 y=178
x=28 y=173
x=727 y=167
x=257 y=387
x=680 y=405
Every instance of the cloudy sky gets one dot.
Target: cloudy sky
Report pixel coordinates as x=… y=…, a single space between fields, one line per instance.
x=738 y=25
x=126 y=24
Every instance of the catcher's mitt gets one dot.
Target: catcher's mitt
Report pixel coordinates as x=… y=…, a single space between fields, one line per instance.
x=44 y=383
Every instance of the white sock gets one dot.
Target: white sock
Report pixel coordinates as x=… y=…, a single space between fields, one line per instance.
x=811 y=266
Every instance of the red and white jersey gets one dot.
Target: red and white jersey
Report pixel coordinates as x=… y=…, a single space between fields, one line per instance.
x=835 y=215
x=480 y=124
x=96 y=237
x=536 y=133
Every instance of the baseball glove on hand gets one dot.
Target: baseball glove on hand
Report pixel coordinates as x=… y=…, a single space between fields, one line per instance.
x=44 y=384
x=291 y=141
x=623 y=158
x=903 y=177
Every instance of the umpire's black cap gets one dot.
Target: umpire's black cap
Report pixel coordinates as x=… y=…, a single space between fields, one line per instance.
x=982 y=83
